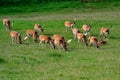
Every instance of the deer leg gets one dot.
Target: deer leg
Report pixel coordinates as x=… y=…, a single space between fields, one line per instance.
x=12 y=40
x=75 y=36
x=40 y=44
x=66 y=29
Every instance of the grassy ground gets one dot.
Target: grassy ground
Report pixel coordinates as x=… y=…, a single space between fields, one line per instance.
x=31 y=62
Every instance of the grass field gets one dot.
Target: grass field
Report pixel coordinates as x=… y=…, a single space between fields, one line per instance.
x=31 y=62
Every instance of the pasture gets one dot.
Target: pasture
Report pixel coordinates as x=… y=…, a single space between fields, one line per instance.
x=29 y=61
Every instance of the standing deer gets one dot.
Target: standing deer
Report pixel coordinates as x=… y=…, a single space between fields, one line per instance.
x=31 y=33
x=47 y=40
x=75 y=32
x=69 y=24
x=93 y=40
x=6 y=23
x=60 y=41
x=37 y=27
x=82 y=37
x=86 y=28
x=104 y=32
x=15 y=36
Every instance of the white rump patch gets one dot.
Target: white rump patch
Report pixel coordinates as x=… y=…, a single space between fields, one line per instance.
x=69 y=41
x=25 y=38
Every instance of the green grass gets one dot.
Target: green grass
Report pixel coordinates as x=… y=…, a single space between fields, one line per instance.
x=31 y=62
x=56 y=6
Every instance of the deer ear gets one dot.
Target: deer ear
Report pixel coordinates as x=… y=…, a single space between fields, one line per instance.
x=69 y=41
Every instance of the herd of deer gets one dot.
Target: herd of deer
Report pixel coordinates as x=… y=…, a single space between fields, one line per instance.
x=58 y=40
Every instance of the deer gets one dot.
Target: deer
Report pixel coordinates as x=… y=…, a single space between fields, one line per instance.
x=16 y=37
x=60 y=41
x=101 y=42
x=104 y=32
x=6 y=23
x=31 y=33
x=69 y=24
x=47 y=40
x=82 y=37
x=38 y=27
x=86 y=28
x=93 y=40
x=79 y=36
x=75 y=32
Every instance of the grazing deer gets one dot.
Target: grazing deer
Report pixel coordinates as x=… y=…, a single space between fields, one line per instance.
x=69 y=24
x=75 y=32
x=47 y=40
x=15 y=36
x=37 y=27
x=60 y=41
x=82 y=37
x=86 y=29
x=6 y=23
x=102 y=42
x=31 y=33
x=93 y=40
x=104 y=32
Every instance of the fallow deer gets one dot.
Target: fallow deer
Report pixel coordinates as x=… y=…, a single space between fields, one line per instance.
x=47 y=40
x=102 y=42
x=82 y=37
x=104 y=32
x=6 y=23
x=31 y=33
x=86 y=28
x=93 y=40
x=69 y=24
x=38 y=27
x=16 y=37
x=75 y=32
x=60 y=41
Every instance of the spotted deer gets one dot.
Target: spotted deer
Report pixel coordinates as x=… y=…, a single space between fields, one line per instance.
x=60 y=41
x=75 y=32
x=47 y=40
x=93 y=40
x=86 y=28
x=16 y=37
x=102 y=42
x=104 y=32
x=38 y=27
x=6 y=23
x=69 y=24
x=31 y=33
x=82 y=37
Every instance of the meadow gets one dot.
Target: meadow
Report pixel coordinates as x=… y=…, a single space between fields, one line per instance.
x=29 y=61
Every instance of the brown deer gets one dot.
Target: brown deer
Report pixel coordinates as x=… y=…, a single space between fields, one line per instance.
x=47 y=40
x=6 y=23
x=86 y=28
x=31 y=33
x=93 y=40
x=75 y=32
x=15 y=36
x=82 y=37
x=60 y=41
x=69 y=24
x=104 y=32
x=102 y=42
x=37 y=27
